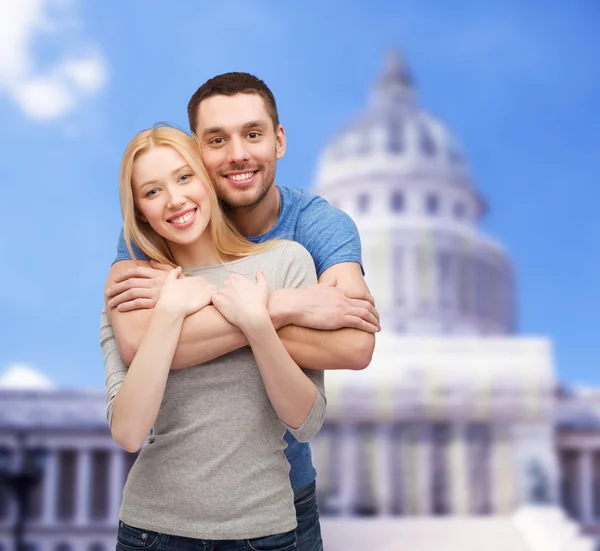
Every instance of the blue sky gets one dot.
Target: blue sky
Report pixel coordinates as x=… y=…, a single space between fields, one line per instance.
x=517 y=83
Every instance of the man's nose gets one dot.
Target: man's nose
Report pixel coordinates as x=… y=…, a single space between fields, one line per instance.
x=238 y=152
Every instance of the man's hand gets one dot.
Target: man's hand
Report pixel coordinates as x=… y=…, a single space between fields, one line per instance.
x=137 y=288
x=326 y=306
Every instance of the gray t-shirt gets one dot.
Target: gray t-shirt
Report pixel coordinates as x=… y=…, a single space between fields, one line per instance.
x=214 y=466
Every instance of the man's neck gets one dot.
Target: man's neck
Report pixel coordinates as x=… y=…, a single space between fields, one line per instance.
x=259 y=218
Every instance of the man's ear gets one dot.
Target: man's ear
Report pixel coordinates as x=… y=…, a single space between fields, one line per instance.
x=280 y=143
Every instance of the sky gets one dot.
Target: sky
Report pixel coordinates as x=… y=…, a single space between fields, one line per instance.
x=516 y=82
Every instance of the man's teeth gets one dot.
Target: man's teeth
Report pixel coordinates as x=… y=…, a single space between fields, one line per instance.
x=240 y=177
x=183 y=219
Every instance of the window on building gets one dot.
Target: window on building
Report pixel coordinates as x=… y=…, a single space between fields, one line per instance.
x=100 y=485
x=5 y=494
x=569 y=491
x=440 y=479
x=63 y=546
x=67 y=468
x=366 y=500
x=329 y=495
x=446 y=279
x=96 y=547
x=432 y=204
x=426 y=142
x=459 y=210
x=363 y=203
x=395 y=136
x=397 y=201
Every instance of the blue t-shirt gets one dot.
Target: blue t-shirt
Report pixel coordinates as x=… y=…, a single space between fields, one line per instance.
x=331 y=237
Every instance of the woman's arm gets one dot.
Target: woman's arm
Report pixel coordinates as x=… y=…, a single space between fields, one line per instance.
x=135 y=398
x=138 y=399
x=298 y=401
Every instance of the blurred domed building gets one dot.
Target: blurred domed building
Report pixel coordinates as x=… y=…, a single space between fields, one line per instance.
x=400 y=174
x=457 y=436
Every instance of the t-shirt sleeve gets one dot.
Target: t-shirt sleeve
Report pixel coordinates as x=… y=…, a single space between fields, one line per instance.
x=329 y=235
x=123 y=251
x=115 y=367
x=299 y=271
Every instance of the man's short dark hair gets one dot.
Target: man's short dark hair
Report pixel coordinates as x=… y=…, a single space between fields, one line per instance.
x=230 y=84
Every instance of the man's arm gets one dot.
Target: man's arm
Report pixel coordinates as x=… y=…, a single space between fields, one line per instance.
x=348 y=348
x=207 y=335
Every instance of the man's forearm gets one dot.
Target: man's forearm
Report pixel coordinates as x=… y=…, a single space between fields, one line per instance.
x=325 y=350
x=207 y=335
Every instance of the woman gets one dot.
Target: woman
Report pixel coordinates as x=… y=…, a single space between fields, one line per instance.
x=213 y=474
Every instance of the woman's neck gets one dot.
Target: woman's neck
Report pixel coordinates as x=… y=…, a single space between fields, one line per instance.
x=200 y=253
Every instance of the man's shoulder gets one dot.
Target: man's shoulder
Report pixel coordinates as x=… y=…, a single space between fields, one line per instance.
x=307 y=204
x=300 y=197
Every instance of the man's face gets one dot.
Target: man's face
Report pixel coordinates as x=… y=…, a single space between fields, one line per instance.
x=239 y=146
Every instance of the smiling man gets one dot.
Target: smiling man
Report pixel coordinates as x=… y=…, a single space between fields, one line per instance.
x=327 y=326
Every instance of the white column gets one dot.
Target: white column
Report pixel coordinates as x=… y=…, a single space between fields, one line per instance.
x=116 y=476
x=503 y=471
x=585 y=481
x=411 y=276
x=384 y=486
x=84 y=486
x=348 y=469
x=50 y=487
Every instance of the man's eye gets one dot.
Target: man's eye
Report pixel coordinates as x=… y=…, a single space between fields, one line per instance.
x=216 y=141
x=253 y=135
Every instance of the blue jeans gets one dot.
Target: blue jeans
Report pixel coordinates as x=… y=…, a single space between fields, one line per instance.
x=308 y=530
x=130 y=539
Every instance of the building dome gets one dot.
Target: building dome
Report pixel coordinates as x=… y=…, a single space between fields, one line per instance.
x=401 y=175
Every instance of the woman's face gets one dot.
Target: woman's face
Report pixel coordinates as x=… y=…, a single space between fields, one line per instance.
x=170 y=196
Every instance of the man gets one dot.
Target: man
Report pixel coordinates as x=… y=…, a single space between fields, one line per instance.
x=327 y=326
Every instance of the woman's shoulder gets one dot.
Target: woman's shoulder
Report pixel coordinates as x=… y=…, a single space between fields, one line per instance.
x=288 y=250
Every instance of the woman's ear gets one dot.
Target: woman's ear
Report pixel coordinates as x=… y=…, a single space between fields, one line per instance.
x=140 y=216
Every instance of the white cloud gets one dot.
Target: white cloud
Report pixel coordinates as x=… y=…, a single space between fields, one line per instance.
x=24 y=377
x=46 y=92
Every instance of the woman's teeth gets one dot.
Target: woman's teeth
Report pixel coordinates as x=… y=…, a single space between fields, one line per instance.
x=183 y=219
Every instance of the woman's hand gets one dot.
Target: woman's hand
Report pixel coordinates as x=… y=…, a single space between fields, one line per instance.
x=244 y=303
x=185 y=295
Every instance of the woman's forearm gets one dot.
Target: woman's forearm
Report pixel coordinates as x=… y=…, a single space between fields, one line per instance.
x=291 y=392
x=139 y=398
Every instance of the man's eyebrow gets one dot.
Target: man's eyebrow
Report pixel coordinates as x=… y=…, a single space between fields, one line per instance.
x=213 y=130
x=245 y=126
x=254 y=124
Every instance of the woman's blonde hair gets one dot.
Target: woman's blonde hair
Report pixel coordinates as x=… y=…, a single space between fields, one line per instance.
x=227 y=240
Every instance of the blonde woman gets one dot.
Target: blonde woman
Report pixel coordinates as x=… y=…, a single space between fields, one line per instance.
x=213 y=474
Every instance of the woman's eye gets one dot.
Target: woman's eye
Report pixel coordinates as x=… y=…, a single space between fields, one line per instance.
x=151 y=192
